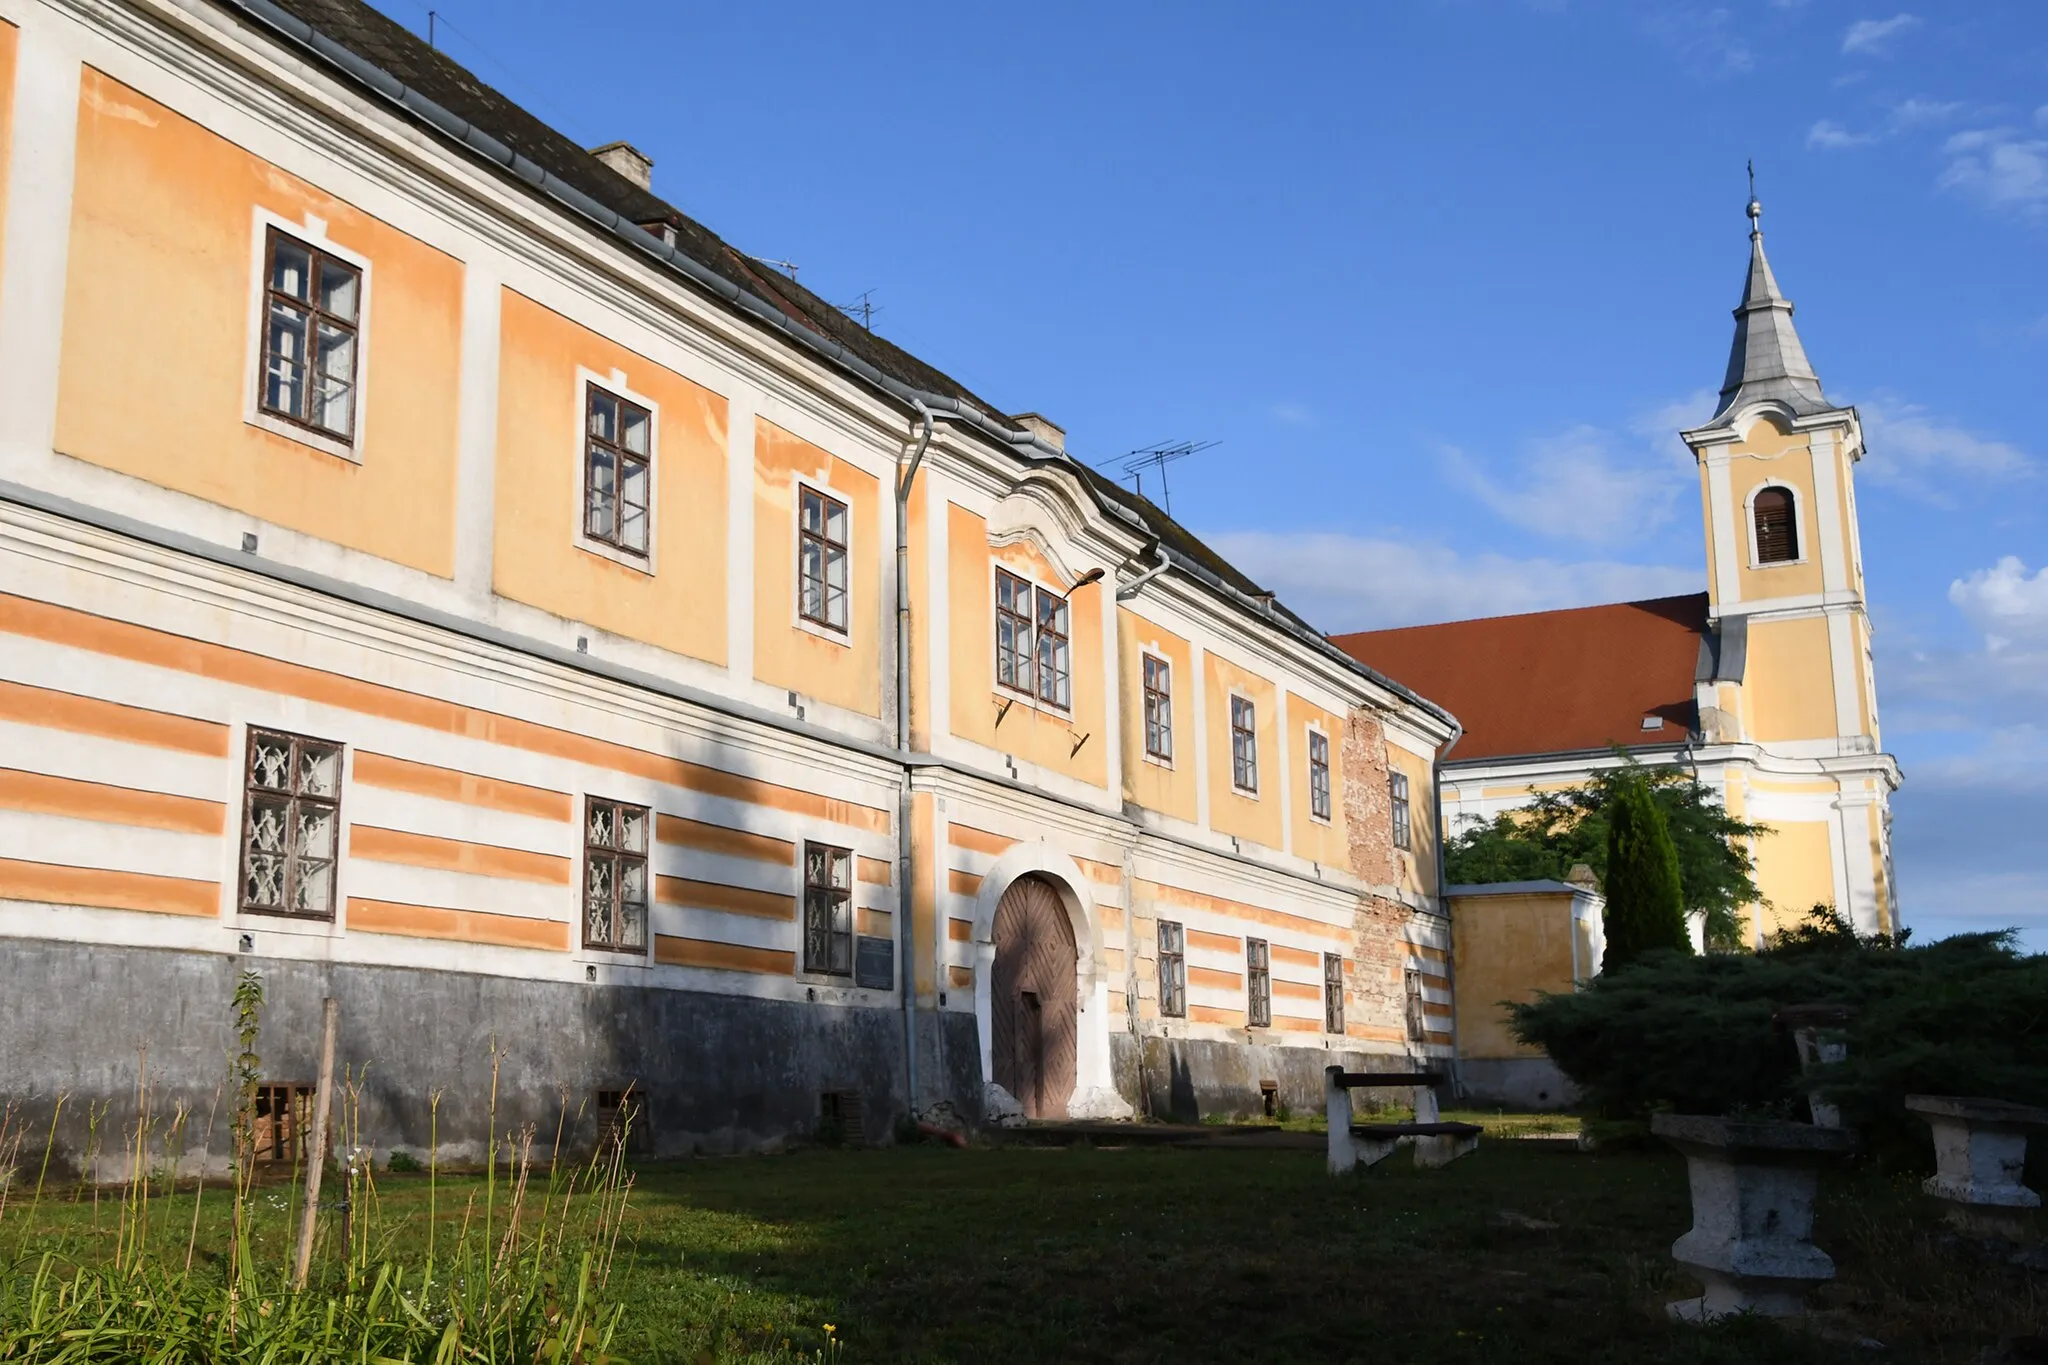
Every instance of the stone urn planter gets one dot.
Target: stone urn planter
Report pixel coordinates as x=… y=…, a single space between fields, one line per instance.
x=1820 y=1033
x=1753 y=1186
x=1980 y=1149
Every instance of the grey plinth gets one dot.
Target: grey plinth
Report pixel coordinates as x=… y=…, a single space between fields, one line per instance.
x=1753 y=1187
x=1980 y=1149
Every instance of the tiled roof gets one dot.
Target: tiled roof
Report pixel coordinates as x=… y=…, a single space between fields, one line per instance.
x=1552 y=681
x=385 y=43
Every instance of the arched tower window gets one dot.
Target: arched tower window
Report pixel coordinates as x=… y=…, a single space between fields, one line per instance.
x=1777 y=526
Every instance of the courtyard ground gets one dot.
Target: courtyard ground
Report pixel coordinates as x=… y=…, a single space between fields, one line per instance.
x=1524 y=1252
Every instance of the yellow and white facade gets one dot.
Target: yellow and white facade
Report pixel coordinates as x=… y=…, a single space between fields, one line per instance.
x=410 y=582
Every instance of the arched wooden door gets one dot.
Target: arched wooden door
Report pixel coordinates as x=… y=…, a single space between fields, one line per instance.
x=1032 y=999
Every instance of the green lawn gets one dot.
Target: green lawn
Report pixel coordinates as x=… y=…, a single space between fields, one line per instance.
x=1155 y=1254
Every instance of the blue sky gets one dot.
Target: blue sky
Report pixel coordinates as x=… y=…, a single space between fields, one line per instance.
x=1442 y=279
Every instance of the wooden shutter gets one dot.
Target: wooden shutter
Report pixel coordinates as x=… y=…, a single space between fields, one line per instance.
x=1777 y=531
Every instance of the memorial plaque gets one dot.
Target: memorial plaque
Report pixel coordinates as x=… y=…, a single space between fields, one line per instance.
x=874 y=963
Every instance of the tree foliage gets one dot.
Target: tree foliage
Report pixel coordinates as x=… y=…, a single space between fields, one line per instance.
x=1964 y=1016
x=1645 y=904
x=1558 y=829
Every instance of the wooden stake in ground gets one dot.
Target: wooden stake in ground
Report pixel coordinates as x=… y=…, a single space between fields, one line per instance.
x=316 y=1159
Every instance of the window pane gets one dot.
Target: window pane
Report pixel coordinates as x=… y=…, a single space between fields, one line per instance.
x=263 y=883
x=269 y=821
x=314 y=836
x=633 y=924
x=636 y=425
x=835 y=523
x=601 y=829
x=816 y=862
x=633 y=506
x=319 y=770
x=632 y=883
x=313 y=888
x=604 y=416
x=842 y=870
x=270 y=761
x=284 y=375
x=597 y=919
x=600 y=494
x=335 y=380
x=338 y=288
x=291 y=267
x=813 y=512
x=632 y=829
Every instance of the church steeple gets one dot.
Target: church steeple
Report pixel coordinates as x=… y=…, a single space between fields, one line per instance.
x=1767 y=361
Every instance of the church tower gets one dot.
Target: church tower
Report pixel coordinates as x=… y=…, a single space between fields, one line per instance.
x=1786 y=694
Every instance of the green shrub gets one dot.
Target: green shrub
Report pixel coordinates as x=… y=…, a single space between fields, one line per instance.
x=1645 y=905
x=1965 y=1016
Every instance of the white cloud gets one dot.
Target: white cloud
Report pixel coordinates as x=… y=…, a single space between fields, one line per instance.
x=1589 y=485
x=2006 y=603
x=1965 y=837
x=1706 y=37
x=1918 y=454
x=1867 y=37
x=2000 y=166
x=1830 y=136
x=1343 y=582
x=1917 y=113
x=1292 y=414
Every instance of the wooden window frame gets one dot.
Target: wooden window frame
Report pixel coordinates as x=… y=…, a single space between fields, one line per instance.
x=1043 y=668
x=1319 y=806
x=1400 y=815
x=1794 y=543
x=827 y=548
x=1158 y=706
x=821 y=899
x=615 y=855
x=1173 y=970
x=317 y=259
x=1258 y=983
x=295 y=800
x=1333 y=993
x=1244 y=745
x=612 y=537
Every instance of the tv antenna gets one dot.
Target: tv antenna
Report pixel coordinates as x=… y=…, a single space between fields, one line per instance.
x=1157 y=458
x=863 y=308
x=788 y=268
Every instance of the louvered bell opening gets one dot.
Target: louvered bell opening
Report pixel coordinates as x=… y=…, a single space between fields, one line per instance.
x=1777 y=533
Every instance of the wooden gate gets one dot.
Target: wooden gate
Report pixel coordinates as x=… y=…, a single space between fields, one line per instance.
x=1032 y=998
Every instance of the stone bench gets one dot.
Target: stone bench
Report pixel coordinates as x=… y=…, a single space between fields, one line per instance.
x=1354 y=1144
x=1753 y=1187
x=1980 y=1151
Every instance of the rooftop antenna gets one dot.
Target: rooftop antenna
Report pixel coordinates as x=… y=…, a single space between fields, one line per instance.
x=788 y=268
x=432 y=15
x=1158 y=457
x=864 y=308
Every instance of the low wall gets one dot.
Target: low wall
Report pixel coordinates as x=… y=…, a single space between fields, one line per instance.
x=1190 y=1079
x=720 y=1073
x=1515 y=1083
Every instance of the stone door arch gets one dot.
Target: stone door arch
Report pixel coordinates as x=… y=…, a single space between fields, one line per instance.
x=1033 y=999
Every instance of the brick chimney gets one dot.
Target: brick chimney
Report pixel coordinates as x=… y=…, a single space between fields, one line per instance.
x=628 y=161
x=1049 y=432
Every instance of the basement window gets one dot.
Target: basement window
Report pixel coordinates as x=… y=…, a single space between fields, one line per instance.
x=621 y=1119
x=279 y=1117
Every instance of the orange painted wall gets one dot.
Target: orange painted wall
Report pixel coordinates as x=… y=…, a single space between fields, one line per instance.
x=158 y=342
x=847 y=670
x=1256 y=818
x=9 y=36
x=680 y=606
x=1167 y=788
x=1320 y=840
x=1035 y=735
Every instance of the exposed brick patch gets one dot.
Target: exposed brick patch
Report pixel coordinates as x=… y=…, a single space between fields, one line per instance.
x=1368 y=826
x=1376 y=1004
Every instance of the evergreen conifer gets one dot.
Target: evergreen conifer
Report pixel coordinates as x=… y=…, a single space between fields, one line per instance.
x=1645 y=902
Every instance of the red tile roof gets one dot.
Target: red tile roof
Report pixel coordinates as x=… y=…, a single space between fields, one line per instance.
x=1552 y=681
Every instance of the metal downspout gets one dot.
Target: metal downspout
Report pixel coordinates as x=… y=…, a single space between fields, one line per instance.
x=906 y=925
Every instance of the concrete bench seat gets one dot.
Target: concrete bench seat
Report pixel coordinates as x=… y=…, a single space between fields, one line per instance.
x=1352 y=1145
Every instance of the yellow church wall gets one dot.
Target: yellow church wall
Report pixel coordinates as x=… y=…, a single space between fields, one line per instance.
x=1322 y=841
x=1707 y=527
x=9 y=36
x=1795 y=870
x=537 y=559
x=159 y=344
x=1255 y=817
x=1789 y=684
x=1067 y=743
x=1168 y=788
x=1507 y=948
x=843 y=670
x=1772 y=456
